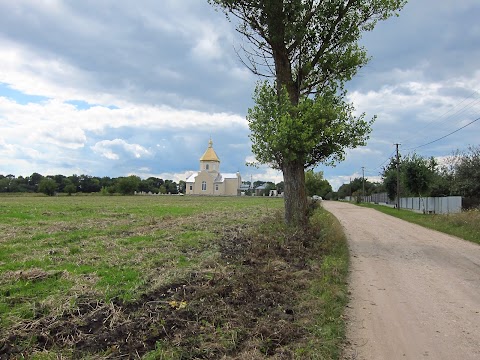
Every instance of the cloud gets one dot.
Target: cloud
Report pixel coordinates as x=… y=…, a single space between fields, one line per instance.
x=69 y=137
x=113 y=149
x=207 y=45
x=87 y=86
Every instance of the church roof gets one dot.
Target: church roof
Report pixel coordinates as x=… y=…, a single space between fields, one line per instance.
x=210 y=154
x=191 y=177
x=222 y=177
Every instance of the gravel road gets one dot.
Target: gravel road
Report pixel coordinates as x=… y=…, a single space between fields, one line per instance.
x=415 y=293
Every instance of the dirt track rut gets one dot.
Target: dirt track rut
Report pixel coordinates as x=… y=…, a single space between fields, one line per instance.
x=415 y=292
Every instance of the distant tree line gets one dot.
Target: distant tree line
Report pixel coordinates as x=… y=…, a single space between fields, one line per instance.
x=52 y=184
x=457 y=175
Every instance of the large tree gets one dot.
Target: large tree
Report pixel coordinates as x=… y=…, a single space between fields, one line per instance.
x=310 y=48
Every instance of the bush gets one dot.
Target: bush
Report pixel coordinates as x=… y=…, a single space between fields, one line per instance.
x=47 y=186
x=128 y=185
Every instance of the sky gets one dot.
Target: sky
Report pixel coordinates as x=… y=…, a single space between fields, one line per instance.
x=115 y=88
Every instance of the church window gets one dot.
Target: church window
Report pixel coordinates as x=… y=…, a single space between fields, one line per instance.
x=191 y=187
x=216 y=187
x=204 y=185
x=206 y=166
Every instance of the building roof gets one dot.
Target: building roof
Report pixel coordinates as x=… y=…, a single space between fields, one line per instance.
x=191 y=177
x=210 y=154
x=222 y=177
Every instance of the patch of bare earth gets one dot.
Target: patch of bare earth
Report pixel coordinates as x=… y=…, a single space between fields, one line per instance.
x=244 y=307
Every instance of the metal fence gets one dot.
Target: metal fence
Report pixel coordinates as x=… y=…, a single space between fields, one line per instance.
x=433 y=205
x=428 y=205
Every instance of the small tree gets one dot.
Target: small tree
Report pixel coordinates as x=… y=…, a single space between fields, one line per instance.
x=47 y=186
x=280 y=187
x=316 y=184
x=269 y=186
x=70 y=189
x=182 y=185
x=418 y=174
x=128 y=185
x=467 y=172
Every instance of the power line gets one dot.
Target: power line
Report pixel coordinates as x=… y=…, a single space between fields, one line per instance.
x=388 y=158
x=443 y=137
x=372 y=171
x=443 y=118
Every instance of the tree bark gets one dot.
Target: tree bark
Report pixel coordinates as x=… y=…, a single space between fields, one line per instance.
x=295 y=194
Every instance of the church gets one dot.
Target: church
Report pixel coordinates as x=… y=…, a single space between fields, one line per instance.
x=209 y=180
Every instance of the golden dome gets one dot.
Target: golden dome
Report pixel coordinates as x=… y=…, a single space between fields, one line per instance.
x=209 y=154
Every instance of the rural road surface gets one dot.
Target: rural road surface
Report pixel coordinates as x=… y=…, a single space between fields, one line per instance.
x=415 y=293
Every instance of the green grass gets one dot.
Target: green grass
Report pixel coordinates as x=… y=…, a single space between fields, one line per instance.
x=327 y=293
x=118 y=240
x=465 y=225
x=77 y=258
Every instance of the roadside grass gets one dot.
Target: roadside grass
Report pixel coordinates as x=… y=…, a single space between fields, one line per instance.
x=168 y=278
x=465 y=225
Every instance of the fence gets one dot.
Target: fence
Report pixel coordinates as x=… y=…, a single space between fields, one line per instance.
x=433 y=205
x=429 y=205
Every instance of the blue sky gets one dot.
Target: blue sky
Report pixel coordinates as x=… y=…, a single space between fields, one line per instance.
x=112 y=88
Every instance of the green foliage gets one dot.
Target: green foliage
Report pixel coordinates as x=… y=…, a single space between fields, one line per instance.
x=467 y=172
x=128 y=185
x=356 y=186
x=390 y=182
x=268 y=186
x=280 y=187
x=314 y=131
x=70 y=189
x=316 y=184
x=47 y=186
x=418 y=174
x=328 y=293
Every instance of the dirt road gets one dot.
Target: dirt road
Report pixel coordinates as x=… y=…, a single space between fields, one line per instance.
x=415 y=293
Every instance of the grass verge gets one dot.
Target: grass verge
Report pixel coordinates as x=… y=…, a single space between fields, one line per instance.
x=168 y=278
x=465 y=225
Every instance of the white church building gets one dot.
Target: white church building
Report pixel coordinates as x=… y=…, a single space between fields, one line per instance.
x=209 y=180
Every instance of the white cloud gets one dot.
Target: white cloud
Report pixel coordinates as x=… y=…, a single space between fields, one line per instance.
x=31 y=73
x=207 y=44
x=112 y=149
x=68 y=137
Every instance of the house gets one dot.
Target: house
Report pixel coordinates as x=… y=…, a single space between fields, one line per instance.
x=209 y=180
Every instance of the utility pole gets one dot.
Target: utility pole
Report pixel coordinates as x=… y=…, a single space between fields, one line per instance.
x=351 y=189
x=363 y=183
x=398 y=177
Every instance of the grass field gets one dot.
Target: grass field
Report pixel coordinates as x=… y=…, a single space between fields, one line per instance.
x=167 y=277
x=465 y=225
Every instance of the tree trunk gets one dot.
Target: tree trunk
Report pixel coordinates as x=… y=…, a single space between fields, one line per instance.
x=295 y=196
